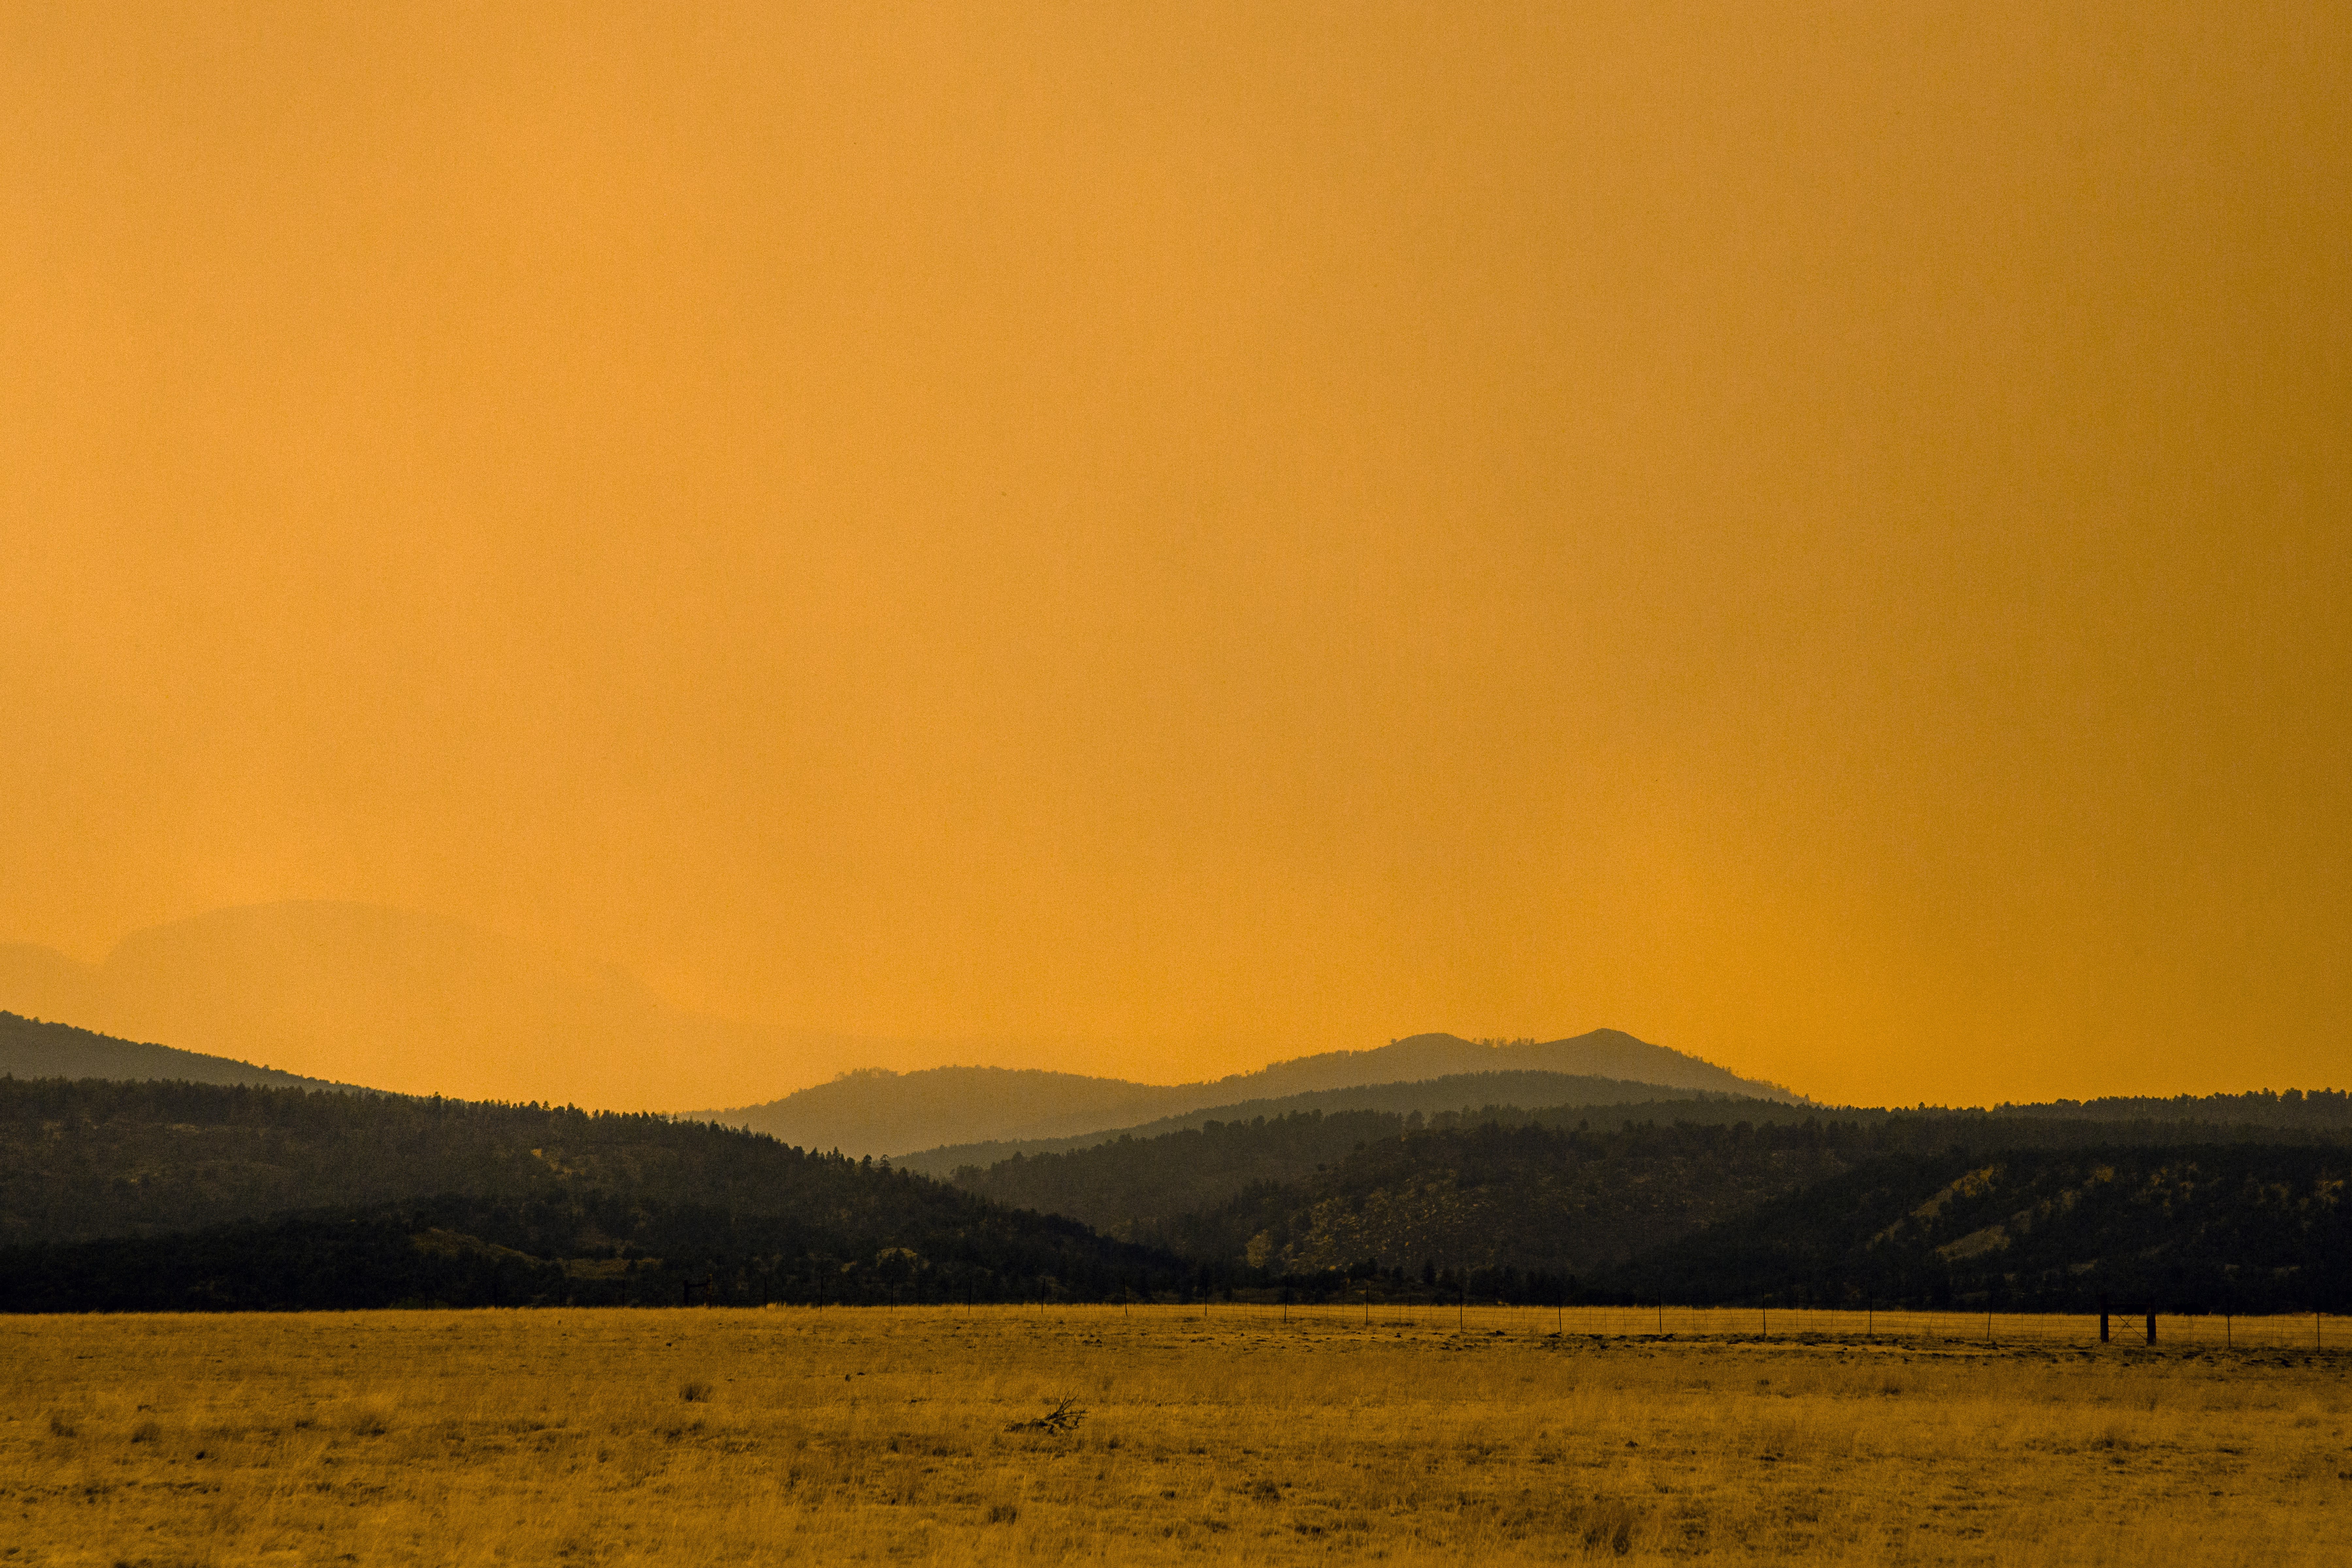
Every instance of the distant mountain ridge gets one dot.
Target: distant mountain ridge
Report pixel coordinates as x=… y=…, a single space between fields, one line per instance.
x=34 y=1048
x=1598 y=1053
x=176 y=1195
x=1457 y=1092
x=881 y=1113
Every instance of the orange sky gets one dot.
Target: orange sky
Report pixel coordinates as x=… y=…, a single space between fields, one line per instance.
x=1206 y=533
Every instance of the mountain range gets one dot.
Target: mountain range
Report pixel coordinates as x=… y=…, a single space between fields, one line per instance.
x=176 y=1195
x=872 y=1112
x=150 y=1177
x=406 y=1003
x=910 y=1113
x=1469 y=1091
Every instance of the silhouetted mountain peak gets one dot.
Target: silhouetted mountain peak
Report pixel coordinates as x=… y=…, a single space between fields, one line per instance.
x=886 y=1113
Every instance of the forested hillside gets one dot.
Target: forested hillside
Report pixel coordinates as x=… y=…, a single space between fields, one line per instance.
x=177 y=1194
x=1131 y=1183
x=173 y=1193
x=2315 y=1110
x=2244 y=1227
x=1134 y=1185
x=1552 y=1199
x=94 y=1159
x=901 y=1244
x=1729 y=1202
x=1430 y=1096
x=1125 y=1186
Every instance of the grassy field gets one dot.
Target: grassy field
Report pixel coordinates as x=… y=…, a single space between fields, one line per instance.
x=700 y=1436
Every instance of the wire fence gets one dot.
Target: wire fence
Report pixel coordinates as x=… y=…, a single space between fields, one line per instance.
x=2216 y=1331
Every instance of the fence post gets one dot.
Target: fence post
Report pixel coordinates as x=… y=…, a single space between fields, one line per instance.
x=2151 y=1325
x=2103 y=1317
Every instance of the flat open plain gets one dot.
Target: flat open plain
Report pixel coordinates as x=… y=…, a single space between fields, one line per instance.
x=702 y=1435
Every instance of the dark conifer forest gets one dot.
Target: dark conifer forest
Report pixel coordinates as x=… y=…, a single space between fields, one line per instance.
x=119 y=1195
x=156 y=1195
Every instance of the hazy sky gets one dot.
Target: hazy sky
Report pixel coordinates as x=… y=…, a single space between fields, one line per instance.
x=1816 y=534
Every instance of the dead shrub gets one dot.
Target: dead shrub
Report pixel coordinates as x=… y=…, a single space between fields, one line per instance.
x=1063 y=1417
x=694 y=1391
x=147 y=1432
x=60 y=1427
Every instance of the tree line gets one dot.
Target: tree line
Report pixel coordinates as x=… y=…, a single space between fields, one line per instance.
x=190 y=1194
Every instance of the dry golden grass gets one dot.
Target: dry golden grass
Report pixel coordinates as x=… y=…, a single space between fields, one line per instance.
x=704 y=1436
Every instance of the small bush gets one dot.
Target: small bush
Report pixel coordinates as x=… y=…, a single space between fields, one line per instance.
x=146 y=1432
x=695 y=1391
x=59 y=1427
x=1064 y=1415
x=1002 y=1513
